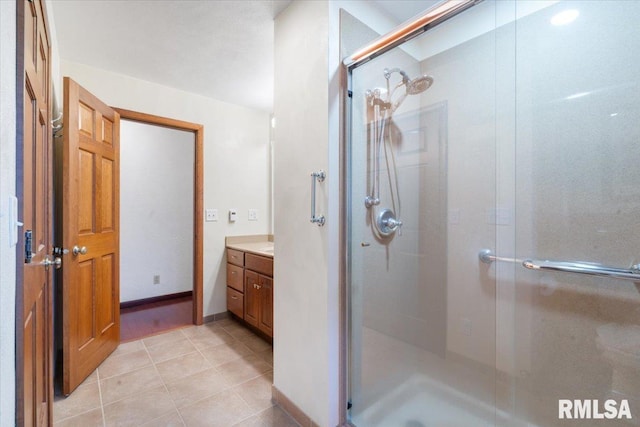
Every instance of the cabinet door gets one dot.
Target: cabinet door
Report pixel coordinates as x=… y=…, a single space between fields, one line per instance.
x=251 y=297
x=266 y=305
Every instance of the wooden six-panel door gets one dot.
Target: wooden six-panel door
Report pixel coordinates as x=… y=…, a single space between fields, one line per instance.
x=34 y=293
x=90 y=214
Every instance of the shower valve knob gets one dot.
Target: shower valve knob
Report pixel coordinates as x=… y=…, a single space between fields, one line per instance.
x=386 y=223
x=393 y=223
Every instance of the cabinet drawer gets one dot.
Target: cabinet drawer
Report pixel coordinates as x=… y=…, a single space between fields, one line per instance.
x=235 y=302
x=235 y=257
x=234 y=277
x=259 y=264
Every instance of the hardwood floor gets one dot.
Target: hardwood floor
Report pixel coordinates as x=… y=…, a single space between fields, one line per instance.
x=153 y=318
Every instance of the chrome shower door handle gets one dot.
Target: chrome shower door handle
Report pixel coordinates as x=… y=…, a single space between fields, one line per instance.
x=316 y=176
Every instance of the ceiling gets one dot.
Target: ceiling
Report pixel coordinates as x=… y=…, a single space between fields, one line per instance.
x=221 y=49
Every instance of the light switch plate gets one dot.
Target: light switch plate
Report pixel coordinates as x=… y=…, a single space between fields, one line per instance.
x=253 y=215
x=211 y=214
x=233 y=215
x=14 y=224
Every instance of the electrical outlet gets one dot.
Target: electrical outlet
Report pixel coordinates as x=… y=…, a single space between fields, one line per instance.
x=156 y=279
x=211 y=215
x=253 y=214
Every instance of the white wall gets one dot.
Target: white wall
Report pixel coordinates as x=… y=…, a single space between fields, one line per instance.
x=306 y=107
x=156 y=210
x=54 y=59
x=236 y=144
x=7 y=187
x=301 y=363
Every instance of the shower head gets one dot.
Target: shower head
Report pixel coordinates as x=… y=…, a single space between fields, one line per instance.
x=419 y=85
x=413 y=87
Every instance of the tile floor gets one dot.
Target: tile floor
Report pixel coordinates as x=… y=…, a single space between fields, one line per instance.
x=218 y=374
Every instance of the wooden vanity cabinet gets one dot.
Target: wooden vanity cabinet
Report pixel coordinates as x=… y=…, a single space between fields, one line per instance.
x=250 y=289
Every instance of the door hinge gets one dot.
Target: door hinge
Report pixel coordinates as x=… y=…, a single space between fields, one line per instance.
x=349 y=405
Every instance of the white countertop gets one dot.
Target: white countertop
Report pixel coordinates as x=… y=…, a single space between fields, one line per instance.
x=260 y=245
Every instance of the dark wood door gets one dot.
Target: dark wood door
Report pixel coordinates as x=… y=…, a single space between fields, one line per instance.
x=34 y=293
x=251 y=297
x=266 y=305
x=90 y=227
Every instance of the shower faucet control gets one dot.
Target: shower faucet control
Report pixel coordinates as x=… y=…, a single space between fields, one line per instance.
x=386 y=222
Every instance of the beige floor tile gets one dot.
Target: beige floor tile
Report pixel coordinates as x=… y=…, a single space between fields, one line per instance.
x=130 y=383
x=92 y=418
x=139 y=409
x=244 y=369
x=83 y=399
x=199 y=365
x=163 y=338
x=197 y=386
x=257 y=392
x=255 y=343
x=170 y=349
x=238 y=331
x=170 y=420
x=182 y=366
x=225 y=353
x=266 y=355
x=128 y=347
x=210 y=337
x=272 y=417
x=91 y=378
x=200 y=329
x=223 y=409
x=226 y=322
x=120 y=364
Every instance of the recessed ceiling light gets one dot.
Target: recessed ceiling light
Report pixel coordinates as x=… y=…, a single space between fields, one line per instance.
x=613 y=114
x=565 y=17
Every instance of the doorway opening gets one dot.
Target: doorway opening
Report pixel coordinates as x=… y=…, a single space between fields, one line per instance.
x=161 y=225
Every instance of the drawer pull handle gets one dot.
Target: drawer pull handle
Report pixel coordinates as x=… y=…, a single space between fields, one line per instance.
x=233 y=272
x=234 y=297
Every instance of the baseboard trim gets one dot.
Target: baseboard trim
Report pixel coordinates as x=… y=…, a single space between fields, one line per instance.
x=135 y=303
x=291 y=408
x=215 y=317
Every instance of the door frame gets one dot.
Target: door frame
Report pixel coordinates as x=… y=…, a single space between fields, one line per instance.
x=19 y=340
x=198 y=212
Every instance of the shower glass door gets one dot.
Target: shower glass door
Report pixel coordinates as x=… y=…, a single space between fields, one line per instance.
x=493 y=194
x=576 y=348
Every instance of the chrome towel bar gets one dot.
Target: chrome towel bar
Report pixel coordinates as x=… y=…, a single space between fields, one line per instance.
x=580 y=267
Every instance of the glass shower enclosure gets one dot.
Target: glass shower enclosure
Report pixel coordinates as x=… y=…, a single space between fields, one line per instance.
x=493 y=219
